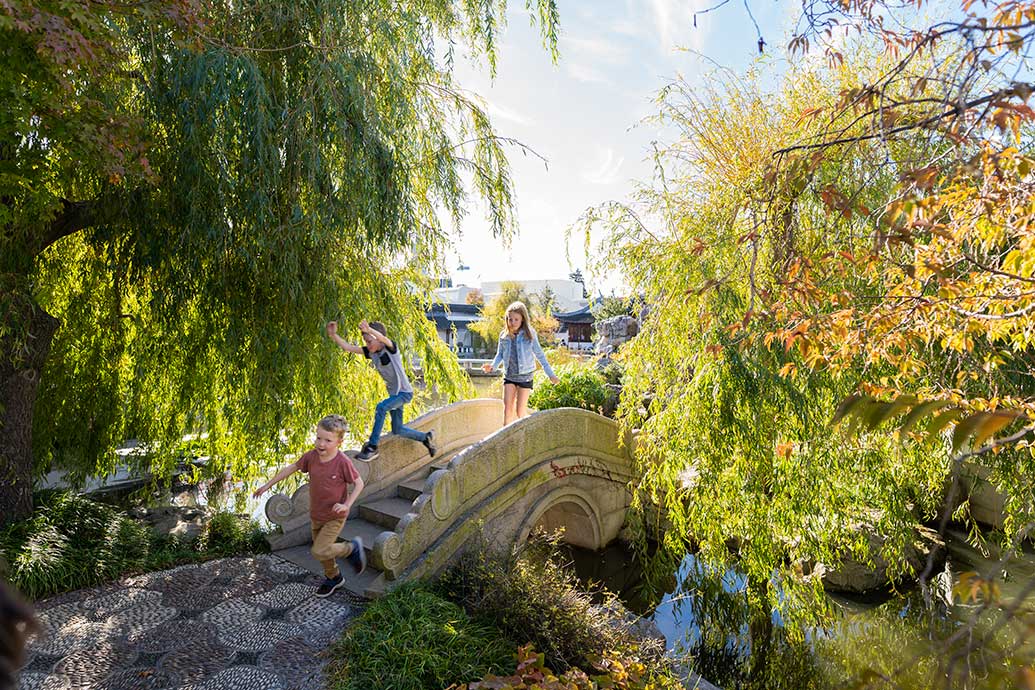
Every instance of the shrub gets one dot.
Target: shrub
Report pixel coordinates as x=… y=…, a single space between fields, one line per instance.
x=72 y=542
x=613 y=373
x=228 y=533
x=576 y=387
x=613 y=671
x=533 y=598
x=412 y=639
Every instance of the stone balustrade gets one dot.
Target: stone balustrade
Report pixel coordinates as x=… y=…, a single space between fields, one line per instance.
x=456 y=426
x=564 y=467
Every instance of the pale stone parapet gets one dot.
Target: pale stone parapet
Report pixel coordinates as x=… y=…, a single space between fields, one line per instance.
x=567 y=458
x=456 y=426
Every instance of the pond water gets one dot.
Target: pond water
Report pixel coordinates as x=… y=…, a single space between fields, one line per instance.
x=890 y=640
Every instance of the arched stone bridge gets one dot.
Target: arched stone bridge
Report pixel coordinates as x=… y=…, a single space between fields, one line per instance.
x=567 y=468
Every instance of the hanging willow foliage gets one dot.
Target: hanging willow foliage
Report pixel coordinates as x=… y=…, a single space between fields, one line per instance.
x=198 y=188
x=736 y=445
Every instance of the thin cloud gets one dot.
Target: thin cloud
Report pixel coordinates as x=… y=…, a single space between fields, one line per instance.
x=499 y=112
x=596 y=49
x=587 y=74
x=607 y=168
x=673 y=21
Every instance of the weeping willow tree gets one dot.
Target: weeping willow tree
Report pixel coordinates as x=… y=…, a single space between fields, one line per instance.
x=190 y=190
x=736 y=445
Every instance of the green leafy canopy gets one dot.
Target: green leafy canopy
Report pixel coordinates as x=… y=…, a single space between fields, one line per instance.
x=195 y=189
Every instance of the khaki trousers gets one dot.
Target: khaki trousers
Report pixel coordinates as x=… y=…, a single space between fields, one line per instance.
x=326 y=547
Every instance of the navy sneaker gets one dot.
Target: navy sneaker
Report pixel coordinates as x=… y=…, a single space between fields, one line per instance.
x=429 y=443
x=329 y=585
x=358 y=558
x=368 y=452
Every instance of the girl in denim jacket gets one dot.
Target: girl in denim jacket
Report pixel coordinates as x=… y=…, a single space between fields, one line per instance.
x=517 y=350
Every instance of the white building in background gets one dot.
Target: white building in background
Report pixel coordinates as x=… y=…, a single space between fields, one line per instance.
x=455 y=294
x=453 y=314
x=567 y=293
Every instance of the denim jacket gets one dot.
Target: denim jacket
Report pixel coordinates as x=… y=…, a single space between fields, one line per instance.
x=529 y=350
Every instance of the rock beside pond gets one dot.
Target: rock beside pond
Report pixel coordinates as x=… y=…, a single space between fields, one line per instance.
x=987 y=503
x=185 y=522
x=635 y=626
x=856 y=576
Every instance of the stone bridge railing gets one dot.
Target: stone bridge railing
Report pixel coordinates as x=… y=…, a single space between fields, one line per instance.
x=565 y=467
x=456 y=426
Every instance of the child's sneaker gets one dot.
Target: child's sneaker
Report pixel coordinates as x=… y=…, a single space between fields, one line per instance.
x=429 y=443
x=368 y=452
x=358 y=558
x=329 y=585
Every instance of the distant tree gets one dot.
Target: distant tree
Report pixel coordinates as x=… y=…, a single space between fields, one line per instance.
x=492 y=322
x=576 y=276
x=475 y=297
x=545 y=300
x=614 y=306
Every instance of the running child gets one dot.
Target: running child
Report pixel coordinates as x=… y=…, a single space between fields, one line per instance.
x=331 y=473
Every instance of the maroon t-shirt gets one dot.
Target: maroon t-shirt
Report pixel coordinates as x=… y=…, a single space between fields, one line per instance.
x=328 y=483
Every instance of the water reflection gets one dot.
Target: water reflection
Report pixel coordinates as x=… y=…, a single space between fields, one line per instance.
x=891 y=640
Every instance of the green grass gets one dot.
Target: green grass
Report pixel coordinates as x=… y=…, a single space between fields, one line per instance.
x=412 y=639
x=71 y=542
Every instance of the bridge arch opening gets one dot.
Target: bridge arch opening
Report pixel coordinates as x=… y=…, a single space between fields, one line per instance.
x=570 y=511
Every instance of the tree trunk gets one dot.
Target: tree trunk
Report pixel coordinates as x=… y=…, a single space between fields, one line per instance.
x=19 y=380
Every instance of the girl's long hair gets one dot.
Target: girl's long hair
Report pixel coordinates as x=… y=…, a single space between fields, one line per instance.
x=522 y=310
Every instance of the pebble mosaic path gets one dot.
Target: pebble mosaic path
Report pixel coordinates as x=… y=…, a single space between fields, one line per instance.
x=245 y=623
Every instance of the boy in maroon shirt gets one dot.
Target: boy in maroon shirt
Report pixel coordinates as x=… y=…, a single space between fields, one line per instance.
x=330 y=474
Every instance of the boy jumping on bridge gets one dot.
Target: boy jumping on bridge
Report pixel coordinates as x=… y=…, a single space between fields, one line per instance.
x=385 y=358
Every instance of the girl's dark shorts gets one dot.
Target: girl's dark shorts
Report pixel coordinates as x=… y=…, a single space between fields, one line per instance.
x=519 y=384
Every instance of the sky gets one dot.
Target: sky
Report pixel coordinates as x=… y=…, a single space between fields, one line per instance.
x=585 y=114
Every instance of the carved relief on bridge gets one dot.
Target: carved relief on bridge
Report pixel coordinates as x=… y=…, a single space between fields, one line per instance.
x=292 y=516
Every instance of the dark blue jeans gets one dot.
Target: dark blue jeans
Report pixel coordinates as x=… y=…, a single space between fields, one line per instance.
x=393 y=405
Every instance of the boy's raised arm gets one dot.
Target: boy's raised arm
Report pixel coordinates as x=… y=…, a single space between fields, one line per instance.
x=283 y=473
x=332 y=333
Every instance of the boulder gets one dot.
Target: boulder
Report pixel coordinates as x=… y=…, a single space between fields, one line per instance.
x=614 y=332
x=856 y=576
x=987 y=503
x=184 y=522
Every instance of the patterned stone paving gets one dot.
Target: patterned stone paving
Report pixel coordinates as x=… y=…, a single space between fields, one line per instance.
x=249 y=623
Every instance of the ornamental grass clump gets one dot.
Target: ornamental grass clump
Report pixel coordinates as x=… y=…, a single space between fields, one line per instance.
x=70 y=542
x=228 y=533
x=413 y=639
x=533 y=598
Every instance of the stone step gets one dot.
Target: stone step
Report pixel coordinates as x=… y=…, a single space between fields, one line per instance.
x=357 y=584
x=387 y=512
x=364 y=529
x=441 y=461
x=410 y=489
